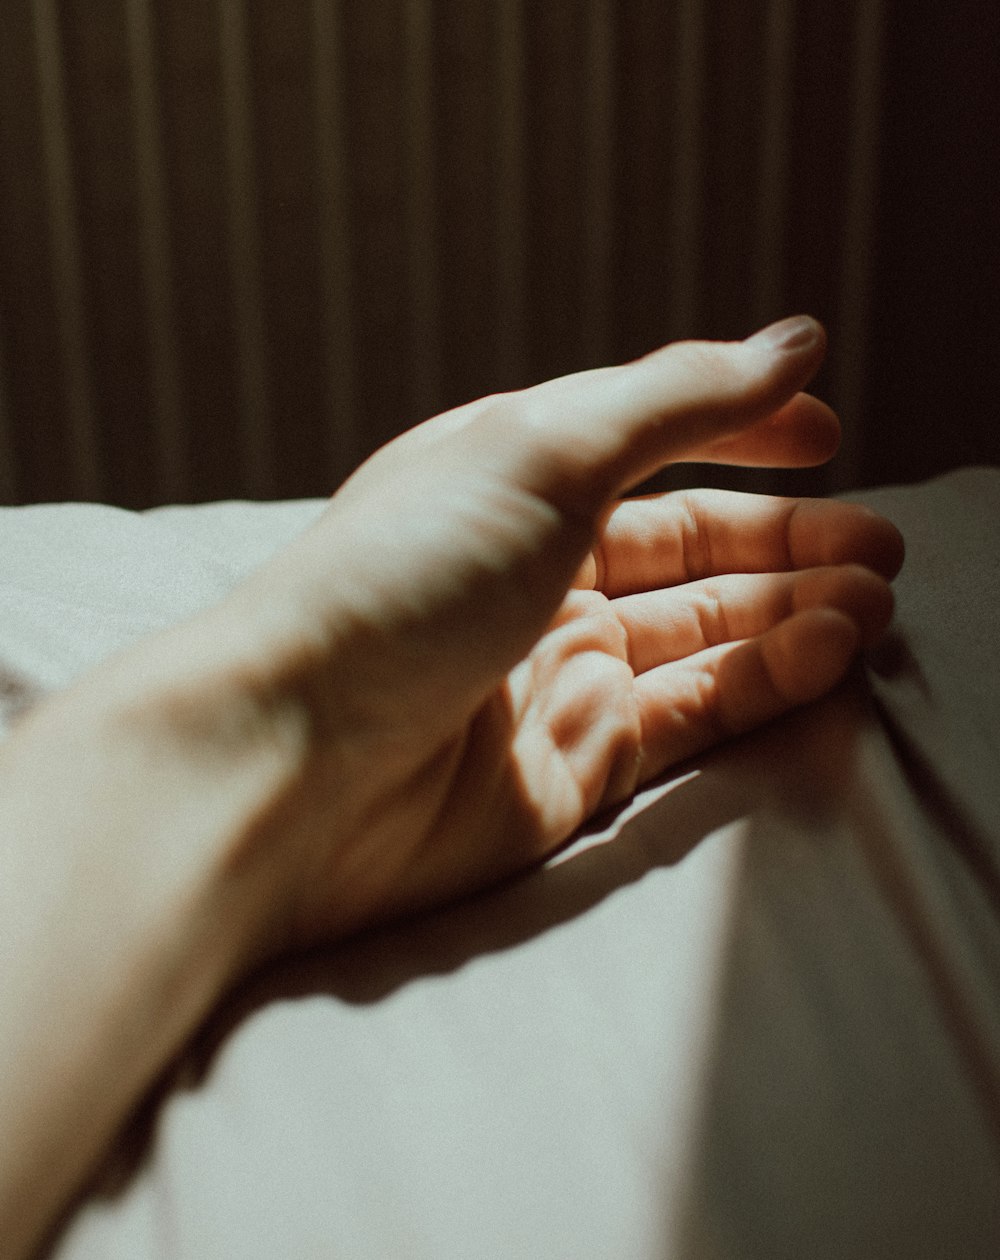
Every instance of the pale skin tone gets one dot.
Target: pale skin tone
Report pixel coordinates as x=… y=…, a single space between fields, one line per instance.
x=476 y=647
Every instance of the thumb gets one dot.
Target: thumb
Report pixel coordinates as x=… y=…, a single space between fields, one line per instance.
x=580 y=440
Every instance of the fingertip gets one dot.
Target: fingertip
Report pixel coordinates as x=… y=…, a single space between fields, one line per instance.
x=830 y=531
x=798 y=335
x=785 y=356
x=888 y=547
x=820 y=432
x=805 y=432
x=875 y=542
x=859 y=592
x=811 y=652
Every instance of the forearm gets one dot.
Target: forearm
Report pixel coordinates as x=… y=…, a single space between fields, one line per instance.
x=134 y=889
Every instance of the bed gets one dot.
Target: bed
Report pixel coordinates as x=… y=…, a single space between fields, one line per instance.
x=756 y=1013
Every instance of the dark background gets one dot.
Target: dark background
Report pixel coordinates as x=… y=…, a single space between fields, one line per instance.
x=935 y=379
x=244 y=242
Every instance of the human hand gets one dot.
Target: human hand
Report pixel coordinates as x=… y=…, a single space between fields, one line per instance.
x=476 y=647
x=489 y=646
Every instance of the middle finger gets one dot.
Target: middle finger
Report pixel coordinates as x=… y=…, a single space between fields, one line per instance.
x=668 y=539
x=668 y=625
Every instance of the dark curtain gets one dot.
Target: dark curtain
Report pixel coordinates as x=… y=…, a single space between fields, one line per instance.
x=244 y=242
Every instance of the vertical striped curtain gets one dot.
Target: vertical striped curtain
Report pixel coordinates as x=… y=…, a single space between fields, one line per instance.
x=244 y=242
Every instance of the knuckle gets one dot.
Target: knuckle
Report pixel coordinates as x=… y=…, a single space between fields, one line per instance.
x=695 y=540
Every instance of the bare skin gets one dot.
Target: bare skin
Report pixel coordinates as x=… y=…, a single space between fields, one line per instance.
x=476 y=647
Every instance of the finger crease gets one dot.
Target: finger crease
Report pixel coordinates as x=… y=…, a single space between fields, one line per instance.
x=696 y=550
x=789 y=557
x=713 y=621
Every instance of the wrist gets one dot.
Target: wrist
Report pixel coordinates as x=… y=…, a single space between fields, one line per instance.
x=222 y=751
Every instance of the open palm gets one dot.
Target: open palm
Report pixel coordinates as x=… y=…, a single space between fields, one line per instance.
x=493 y=645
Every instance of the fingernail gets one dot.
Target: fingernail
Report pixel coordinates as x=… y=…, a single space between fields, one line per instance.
x=791 y=336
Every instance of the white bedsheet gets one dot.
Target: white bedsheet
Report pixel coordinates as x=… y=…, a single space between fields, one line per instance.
x=755 y=1015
